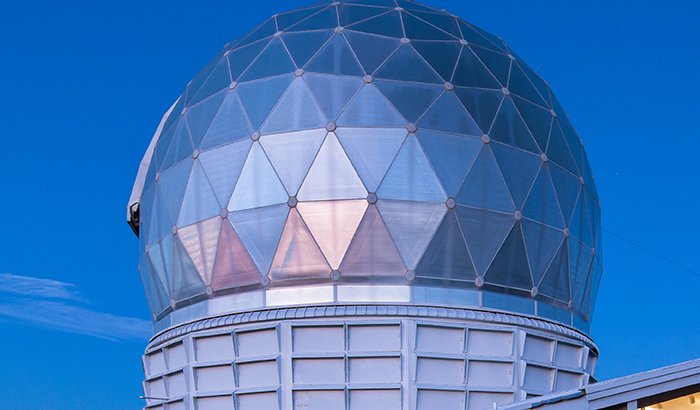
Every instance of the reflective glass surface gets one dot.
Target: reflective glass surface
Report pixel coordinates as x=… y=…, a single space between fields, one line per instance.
x=373 y=142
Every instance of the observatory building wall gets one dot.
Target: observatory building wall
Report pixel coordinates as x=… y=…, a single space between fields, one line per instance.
x=363 y=357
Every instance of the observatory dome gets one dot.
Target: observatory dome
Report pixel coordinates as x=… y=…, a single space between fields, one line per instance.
x=369 y=143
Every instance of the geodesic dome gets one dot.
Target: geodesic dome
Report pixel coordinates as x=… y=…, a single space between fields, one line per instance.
x=369 y=142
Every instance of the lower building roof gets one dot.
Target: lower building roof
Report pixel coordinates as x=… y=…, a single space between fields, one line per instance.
x=653 y=388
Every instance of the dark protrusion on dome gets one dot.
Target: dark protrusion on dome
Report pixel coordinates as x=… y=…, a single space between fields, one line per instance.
x=134 y=217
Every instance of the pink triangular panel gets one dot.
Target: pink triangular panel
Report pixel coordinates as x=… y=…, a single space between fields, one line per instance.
x=372 y=251
x=233 y=267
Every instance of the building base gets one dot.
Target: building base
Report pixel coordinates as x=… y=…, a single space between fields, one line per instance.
x=363 y=357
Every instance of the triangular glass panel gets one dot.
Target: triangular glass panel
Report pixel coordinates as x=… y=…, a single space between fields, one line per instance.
x=567 y=187
x=537 y=81
x=303 y=46
x=471 y=72
x=298 y=255
x=291 y=155
x=537 y=119
x=230 y=124
x=557 y=107
x=150 y=174
x=588 y=179
x=259 y=229
x=179 y=149
x=411 y=177
x=582 y=298
x=371 y=50
x=484 y=232
x=482 y=105
x=555 y=282
x=161 y=257
x=412 y=225
x=580 y=257
x=219 y=79
x=258 y=184
x=260 y=97
x=147 y=203
x=388 y=24
x=199 y=117
x=580 y=225
x=199 y=203
x=156 y=294
x=196 y=83
x=146 y=208
x=497 y=63
x=201 y=241
x=420 y=30
x=447 y=256
x=173 y=185
x=520 y=85
x=593 y=212
x=448 y=115
x=572 y=140
x=519 y=169
x=223 y=166
x=443 y=21
x=371 y=108
x=558 y=150
x=484 y=186
x=542 y=204
x=452 y=156
x=174 y=113
x=542 y=243
x=336 y=57
x=509 y=128
x=412 y=100
x=372 y=252
x=442 y=56
x=233 y=267
x=597 y=274
x=474 y=37
x=266 y=29
x=288 y=19
x=333 y=93
x=325 y=19
x=349 y=14
x=333 y=225
x=510 y=268
x=407 y=65
x=297 y=110
x=371 y=151
x=186 y=281
x=331 y=176
x=599 y=244
x=164 y=140
x=159 y=223
x=273 y=61
x=480 y=37
x=240 y=58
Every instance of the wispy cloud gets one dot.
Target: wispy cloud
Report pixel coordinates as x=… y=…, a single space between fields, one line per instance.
x=44 y=288
x=59 y=305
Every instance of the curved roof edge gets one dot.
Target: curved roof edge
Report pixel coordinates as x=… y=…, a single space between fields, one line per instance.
x=137 y=190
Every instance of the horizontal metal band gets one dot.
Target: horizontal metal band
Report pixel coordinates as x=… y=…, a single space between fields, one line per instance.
x=313 y=312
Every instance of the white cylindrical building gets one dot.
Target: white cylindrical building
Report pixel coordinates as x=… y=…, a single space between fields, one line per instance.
x=369 y=204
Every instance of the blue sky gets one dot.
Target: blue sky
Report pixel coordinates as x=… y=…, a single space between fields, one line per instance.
x=84 y=84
